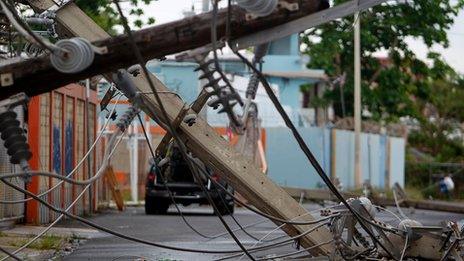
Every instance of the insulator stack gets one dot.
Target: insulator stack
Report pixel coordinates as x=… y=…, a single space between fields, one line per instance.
x=258 y=7
x=15 y=140
x=127 y=118
x=79 y=56
x=224 y=96
x=260 y=51
x=252 y=87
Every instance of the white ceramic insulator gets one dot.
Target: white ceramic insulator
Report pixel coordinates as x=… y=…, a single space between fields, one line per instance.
x=409 y=223
x=79 y=56
x=368 y=205
x=258 y=7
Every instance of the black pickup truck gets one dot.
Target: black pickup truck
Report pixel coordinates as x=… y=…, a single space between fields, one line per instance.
x=170 y=179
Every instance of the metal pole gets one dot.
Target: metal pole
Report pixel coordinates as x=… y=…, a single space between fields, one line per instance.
x=89 y=159
x=357 y=100
x=134 y=161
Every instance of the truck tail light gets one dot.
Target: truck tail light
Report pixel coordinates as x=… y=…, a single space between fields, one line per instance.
x=152 y=177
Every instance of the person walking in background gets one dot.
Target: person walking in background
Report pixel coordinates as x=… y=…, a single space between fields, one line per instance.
x=447 y=186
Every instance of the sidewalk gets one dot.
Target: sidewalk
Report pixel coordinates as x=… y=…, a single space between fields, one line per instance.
x=58 y=241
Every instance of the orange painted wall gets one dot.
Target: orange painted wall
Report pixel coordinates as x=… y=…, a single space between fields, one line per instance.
x=74 y=91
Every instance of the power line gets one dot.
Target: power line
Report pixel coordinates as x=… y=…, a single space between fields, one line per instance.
x=143 y=241
x=170 y=129
x=309 y=155
x=171 y=196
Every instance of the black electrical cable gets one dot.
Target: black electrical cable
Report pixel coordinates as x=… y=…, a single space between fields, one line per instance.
x=166 y=186
x=136 y=239
x=217 y=66
x=234 y=219
x=72 y=181
x=139 y=240
x=75 y=182
x=307 y=151
x=294 y=253
x=170 y=129
x=287 y=241
x=214 y=41
x=256 y=211
x=173 y=200
x=15 y=257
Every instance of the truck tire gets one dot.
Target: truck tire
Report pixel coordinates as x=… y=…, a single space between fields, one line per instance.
x=225 y=205
x=156 y=206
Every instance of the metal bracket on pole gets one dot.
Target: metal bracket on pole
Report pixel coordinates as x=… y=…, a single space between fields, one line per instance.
x=175 y=124
x=289 y=6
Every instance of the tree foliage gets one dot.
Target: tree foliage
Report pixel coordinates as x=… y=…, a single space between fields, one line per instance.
x=105 y=15
x=442 y=115
x=389 y=85
x=400 y=85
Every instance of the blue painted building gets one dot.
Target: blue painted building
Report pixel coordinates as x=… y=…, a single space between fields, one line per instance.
x=285 y=69
x=284 y=66
x=179 y=77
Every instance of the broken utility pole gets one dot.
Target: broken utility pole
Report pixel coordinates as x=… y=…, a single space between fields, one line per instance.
x=200 y=138
x=33 y=76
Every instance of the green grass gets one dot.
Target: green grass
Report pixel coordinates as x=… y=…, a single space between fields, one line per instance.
x=414 y=193
x=126 y=195
x=47 y=242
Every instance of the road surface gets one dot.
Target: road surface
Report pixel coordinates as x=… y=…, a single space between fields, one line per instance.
x=171 y=230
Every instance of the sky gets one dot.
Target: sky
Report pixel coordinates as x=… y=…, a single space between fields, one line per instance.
x=169 y=10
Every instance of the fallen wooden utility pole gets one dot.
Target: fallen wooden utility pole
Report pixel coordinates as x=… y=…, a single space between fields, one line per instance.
x=316 y=194
x=324 y=194
x=37 y=75
x=206 y=144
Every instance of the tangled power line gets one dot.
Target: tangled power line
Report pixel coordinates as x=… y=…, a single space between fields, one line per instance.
x=348 y=216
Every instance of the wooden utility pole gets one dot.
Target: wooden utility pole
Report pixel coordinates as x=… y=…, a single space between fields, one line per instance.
x=204 y=142
x=36 y=75
x=357 y=101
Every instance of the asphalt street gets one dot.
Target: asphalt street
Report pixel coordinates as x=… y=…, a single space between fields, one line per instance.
x=171 y=230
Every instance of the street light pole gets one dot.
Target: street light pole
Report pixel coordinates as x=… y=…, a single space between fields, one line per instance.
x=357 y=100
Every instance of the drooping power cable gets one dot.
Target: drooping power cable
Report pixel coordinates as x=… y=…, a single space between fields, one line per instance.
x=309 y=155
x=170 y=129
x=70 y=205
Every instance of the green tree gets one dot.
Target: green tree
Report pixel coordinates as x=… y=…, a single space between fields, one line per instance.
x=390 y=86
x=442 y=114
x=105 y=15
